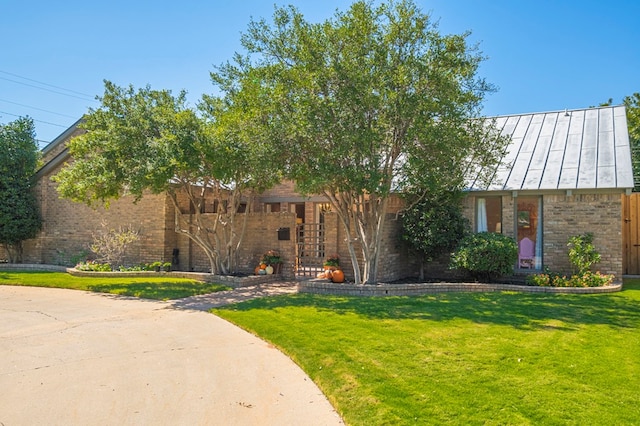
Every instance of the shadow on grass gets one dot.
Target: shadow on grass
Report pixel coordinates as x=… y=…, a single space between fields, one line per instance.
x=520 y=310
x=157 y=291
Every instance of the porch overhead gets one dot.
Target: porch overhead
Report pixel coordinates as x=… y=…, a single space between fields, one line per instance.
x=563 y=150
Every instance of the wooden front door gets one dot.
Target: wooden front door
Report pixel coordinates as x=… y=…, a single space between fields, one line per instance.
x=631 y=234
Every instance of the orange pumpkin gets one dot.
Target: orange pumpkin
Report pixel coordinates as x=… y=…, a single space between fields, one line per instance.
x=263 y=266
x=328 y=274
x=257 y=270
x=337 y=276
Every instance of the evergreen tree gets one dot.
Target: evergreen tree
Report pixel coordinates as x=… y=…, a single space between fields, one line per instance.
x=19 y=214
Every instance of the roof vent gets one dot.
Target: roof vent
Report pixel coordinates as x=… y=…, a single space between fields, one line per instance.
x=566 y=113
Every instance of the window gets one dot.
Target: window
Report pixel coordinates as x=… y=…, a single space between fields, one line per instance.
x=528 y=217
x=489 y=214
x=272 y=207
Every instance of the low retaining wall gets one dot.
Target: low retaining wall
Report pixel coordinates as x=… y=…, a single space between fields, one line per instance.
x=230 y=280
x=31 y=267
x=324 y=287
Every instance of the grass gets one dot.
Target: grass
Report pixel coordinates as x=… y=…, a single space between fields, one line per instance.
x=158 y=288
x=463 y=358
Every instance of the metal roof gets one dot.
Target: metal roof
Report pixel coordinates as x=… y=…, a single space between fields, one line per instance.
x=574 y=149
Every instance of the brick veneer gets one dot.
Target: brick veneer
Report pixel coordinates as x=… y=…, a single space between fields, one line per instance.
x=68 y=228
x=565 y=216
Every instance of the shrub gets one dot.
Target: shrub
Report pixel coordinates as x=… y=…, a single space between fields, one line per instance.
x=434 y=226
x=589 y=279
x=582 y=253
x=110 y=245
x=93 y=266
x=485 y=255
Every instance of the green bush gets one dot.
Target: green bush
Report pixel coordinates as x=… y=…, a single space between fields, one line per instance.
x=93 y=267
x=582 y=252
x=485 y=255
x=589 y=279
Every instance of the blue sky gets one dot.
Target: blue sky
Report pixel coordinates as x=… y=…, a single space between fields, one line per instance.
x=542 y=55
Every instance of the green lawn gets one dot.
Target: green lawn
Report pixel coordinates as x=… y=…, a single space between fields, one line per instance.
x=159 y=288
x=463 y=358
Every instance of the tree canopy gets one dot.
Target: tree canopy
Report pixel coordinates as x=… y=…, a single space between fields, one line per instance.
x=149 y=141
x=370 y=102
x=632 y=104
x=19 y=214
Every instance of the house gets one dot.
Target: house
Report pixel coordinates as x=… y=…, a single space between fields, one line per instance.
x=564 y=173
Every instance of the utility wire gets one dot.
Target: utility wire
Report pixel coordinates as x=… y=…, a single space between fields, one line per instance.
x=48 y=90
x=39 y=109
x=39 y=121
x=45 y=84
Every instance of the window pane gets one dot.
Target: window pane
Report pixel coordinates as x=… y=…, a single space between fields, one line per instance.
x=489 y=214
x=529 y=225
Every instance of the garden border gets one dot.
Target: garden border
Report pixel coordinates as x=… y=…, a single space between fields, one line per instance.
x=318 y=286
x=230 y=280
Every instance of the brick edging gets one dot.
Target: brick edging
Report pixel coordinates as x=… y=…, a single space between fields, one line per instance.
x=324 y=287
x=231 y=281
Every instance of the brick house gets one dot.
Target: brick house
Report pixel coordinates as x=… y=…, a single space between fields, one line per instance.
x=564 y=173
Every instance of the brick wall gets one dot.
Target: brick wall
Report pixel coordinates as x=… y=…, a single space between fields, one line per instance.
x=68 y=227
x=565 y=216
x=260 y=236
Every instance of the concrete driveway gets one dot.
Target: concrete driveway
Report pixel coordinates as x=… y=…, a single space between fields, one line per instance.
x=75 y=358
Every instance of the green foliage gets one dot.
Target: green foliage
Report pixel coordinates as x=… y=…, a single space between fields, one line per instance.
x=434 y=225
x=583 y=255
x=632 y=104
x=582 y=252
x=271 y=257
x=19 y=213
x=371 y=101
x=552 y=279
x=486 y=255
x=332 y=260
x=92 y=266
x=144 y=140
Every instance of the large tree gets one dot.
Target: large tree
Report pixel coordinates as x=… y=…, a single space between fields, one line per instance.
x=19 y=214
x=148 y=141
x=372 y=101
x=632 y=104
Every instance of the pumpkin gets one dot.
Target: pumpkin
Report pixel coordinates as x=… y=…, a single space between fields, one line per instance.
x=269 y=270
x=257 y=270
x=337 y=276
x=328 y=274
x=263 y=266
x=321 y=275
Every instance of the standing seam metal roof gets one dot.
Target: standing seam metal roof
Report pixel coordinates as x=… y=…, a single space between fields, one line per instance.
x=574 y=149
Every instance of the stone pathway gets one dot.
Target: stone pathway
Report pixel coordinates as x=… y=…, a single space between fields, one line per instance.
x=204 y=302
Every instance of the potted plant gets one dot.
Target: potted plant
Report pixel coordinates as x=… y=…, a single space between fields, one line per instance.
x=332 y=262
x=272 y=258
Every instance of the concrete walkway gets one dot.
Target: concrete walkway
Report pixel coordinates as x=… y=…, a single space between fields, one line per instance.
x=214 y=300
x=75 y=358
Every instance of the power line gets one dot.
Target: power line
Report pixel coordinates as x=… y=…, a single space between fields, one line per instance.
x=39 y=121
x=46 y=84
x=48 y=90
x=39 y=109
